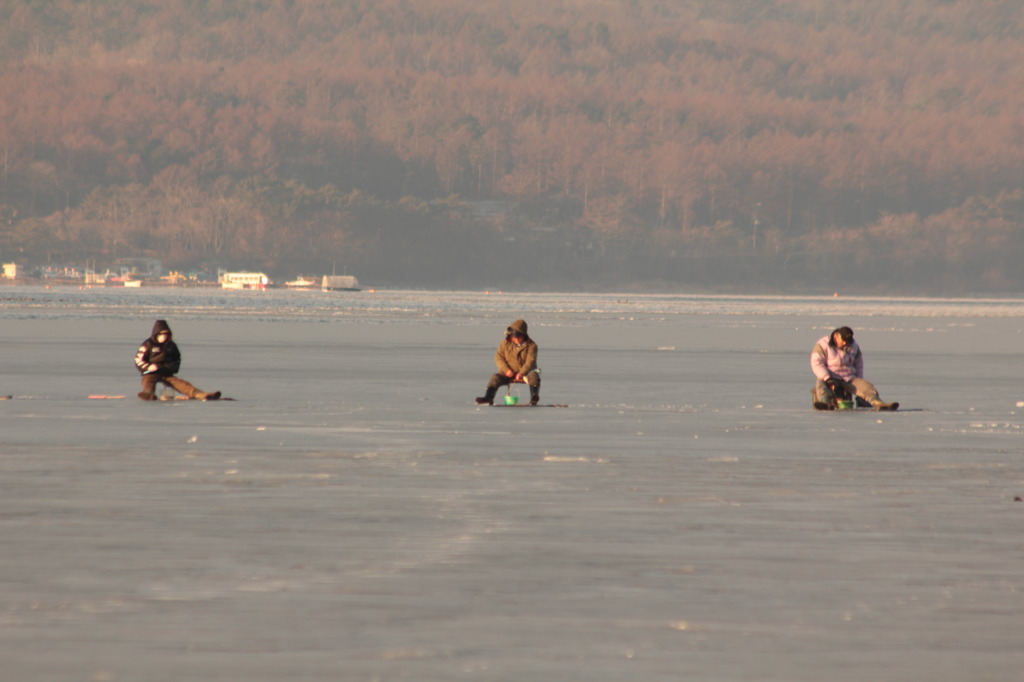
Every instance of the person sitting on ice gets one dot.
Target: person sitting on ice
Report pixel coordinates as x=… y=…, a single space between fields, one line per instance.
x=158 y=360
x=838 y=364
x=516 y=359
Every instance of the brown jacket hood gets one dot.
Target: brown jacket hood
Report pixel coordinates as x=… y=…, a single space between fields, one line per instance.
x=519 y=327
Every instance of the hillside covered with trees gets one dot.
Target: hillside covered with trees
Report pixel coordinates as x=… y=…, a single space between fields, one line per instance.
x=770 y=145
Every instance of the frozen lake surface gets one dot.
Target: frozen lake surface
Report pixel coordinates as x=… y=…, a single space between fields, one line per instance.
x=354 y=516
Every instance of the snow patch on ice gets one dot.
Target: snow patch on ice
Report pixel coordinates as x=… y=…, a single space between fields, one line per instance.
x=575 y=460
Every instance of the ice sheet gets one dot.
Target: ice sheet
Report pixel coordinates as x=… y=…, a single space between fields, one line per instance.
x=401 y=306
x=355 y=516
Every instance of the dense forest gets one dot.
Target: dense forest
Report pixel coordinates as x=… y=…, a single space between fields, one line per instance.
x=767 y=145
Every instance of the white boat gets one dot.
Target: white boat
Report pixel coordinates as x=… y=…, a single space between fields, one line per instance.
x=244 y=280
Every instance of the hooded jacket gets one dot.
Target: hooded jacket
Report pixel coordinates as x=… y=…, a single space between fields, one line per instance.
x=518 y=359
x=828 y=360
x=154 y=357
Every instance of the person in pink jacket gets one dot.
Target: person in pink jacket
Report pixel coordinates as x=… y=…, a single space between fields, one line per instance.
x=838 y=364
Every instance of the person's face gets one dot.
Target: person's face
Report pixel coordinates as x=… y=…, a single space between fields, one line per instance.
x=518 y=339
x=162 y=337
x=840 y=341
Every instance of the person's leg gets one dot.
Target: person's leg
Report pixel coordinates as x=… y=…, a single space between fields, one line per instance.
x=181 y=386
x=866 y=390
x=185 y=388
x=148 y=391
x=822 y=396
x=496 y=381
x=533 y=381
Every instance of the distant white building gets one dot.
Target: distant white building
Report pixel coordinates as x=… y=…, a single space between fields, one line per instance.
x=340 y=283
x=11 y=270
x=244 y=280
x=93 y=277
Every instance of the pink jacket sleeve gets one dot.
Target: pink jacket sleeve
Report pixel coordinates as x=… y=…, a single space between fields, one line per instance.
x=819 y=363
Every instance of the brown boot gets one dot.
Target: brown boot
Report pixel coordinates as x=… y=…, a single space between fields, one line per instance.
x=202 y=395
x=881 y=406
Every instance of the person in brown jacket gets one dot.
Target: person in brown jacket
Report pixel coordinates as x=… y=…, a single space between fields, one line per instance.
x=516 y=359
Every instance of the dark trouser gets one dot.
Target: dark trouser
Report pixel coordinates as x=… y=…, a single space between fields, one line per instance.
x=498 y=380
x=860 y=388
x=149 y=382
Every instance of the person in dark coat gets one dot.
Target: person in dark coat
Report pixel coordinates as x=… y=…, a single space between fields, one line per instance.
x=516 y=359
x=158 y=360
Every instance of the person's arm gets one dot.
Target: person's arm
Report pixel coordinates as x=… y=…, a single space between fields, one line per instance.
x=858 y=364
x=530 y=362
x=819 y=363
x=499 y=360
x=142 y=359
